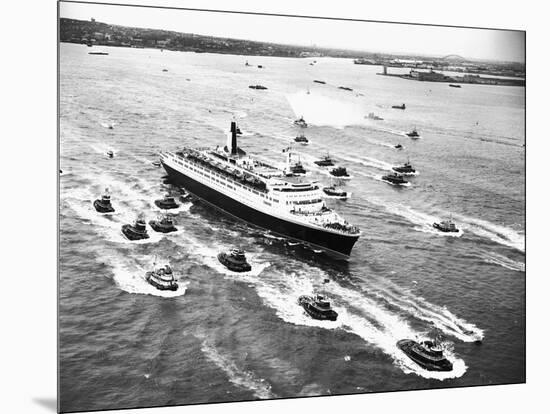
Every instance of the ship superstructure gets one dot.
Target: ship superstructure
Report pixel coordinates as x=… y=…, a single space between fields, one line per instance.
x=260 y=194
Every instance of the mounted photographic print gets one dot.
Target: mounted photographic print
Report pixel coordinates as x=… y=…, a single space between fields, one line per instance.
x=256 y=207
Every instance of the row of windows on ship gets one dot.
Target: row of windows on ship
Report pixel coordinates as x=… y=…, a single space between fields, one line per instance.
x=210 y=173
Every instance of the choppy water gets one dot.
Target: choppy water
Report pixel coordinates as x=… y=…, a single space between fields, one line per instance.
x=225 y=336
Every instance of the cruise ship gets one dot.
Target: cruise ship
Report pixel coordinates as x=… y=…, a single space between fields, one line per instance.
x=260 y=194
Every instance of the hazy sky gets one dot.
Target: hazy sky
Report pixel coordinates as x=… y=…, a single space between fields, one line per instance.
x=367 y=36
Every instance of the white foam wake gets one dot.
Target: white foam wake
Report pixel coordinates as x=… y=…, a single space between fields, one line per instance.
x=491 y=257
x=238 y=376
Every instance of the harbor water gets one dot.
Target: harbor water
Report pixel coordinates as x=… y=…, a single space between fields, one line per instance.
x=225 y=336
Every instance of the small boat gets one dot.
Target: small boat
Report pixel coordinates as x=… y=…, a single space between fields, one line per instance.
x=406 y=169
x=446 y=226
x=238 y=131
x=164 y=224
x=395 y=178
x=103 y=205
x=260 y=67
x=428 y=354
x=156 y=163
x=317 y=307
x=402 y=106
x=374 y=117
x=297 y=169
x=319 y=81
x=110 y=154
x=247 y=64
x=137 y=231
x=398 y=146
x=162 y=278
x=345 y=88
x=454 y=86
x=257 y=87
x=339 y=172
x=413 y=134
x=99 y=52
x=335 y=192
x=301 y=122
x=326 y=161
x=301 y=139
x=165 y=70
x=166 y=203
x=234 y=260
x=60 y=171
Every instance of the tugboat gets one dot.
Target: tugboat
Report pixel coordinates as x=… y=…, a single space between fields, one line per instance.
x=164 y=224
x=297 y=168
x=317 y=307
x=402 y=106
x=395 y=178
x=413 y=134
x=162 y=278
x=166 y=203
x=138 y=231
x=110 y=154
x=301 y=139
x=398 y=146
x=301 y=122
x=339 y=172
x=446 y=226
x=326 y=161
x=234 y=260
x=427 y=354
x=335 y=192
x=103 y=205
x=406 y=169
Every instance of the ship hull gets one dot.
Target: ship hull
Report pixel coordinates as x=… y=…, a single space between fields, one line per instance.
x=337 y=245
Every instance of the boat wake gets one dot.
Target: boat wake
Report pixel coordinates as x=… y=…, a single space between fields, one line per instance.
x=497 y=233
x=495 y=258
x=238 y=376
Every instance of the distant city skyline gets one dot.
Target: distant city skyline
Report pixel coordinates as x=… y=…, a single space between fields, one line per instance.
x=369 y=37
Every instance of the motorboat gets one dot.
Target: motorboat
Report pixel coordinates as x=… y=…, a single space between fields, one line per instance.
x=413 y=134
x=234 y=260
x=317 y=307
x=164 y=224
x=257 y=87
x=454 y=86
x=339 y=172
x=345 y=88
x=398 y=146
x=166 y=203
x=103 y=205
x=402 y=106
x=446 y=226
x=301 y=122
x=326 y=161
x=110 y=154
x=319 y=81
x=137 y=231
x=428 y=354
x=162 y=278
x=396 y=179
x=335 y=192
x=406 y=169
x=301 y=139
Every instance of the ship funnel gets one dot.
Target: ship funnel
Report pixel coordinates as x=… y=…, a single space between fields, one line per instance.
x=233 y=144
